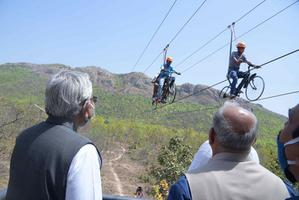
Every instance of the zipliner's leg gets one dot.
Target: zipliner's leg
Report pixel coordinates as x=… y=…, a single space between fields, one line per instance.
x=155 y=90
x=161 y=82
x=233 y=75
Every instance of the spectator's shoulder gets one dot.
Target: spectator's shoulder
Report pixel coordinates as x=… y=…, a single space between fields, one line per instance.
x=293 y=198
x=274 y=178
x=291 y=189
x=180 y=190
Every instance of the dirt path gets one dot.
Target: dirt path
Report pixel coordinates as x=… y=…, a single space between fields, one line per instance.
x=120 y=174
x=118 y=184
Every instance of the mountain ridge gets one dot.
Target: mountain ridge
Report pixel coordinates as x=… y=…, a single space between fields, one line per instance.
x=132 y=83
x=135 y=83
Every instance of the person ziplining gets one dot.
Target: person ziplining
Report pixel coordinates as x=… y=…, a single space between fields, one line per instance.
x=252 y=83
x=164 y=84
x=235 y=60
x=164 y=76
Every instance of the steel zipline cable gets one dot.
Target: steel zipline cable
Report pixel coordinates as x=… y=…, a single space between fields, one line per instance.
x=201 y=47
x=201 y=90
x=221 y=49
x=240 y=18
x=278 y=95
x=277 y=13
x=194 y=93
x=217 y=106
x=187 y=22
x=220 y=82
x=217 y=35
x=155 y=59
x=153 y=36
x=245 y=33
x=278 y=58
x=176 y=35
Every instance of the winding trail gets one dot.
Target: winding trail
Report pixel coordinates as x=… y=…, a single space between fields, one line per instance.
x=117 y=181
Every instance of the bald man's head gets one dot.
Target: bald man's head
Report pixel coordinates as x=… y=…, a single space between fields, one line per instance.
x=239 y=119
x=235 y=127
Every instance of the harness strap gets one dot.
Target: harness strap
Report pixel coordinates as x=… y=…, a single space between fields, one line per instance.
x=165 y=54
x=233 y=31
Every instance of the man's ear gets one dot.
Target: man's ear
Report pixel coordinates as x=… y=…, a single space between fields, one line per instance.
x=212 y=136
x=85 y=108
x=89 y=109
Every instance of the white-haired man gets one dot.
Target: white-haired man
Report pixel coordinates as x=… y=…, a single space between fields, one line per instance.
x=230 y=174
x=50 y=160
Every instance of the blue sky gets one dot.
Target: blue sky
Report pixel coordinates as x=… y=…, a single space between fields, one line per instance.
x=111 y=34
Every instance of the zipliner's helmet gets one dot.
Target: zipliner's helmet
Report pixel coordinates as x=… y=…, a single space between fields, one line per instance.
x=169 y=59
x=241 y=45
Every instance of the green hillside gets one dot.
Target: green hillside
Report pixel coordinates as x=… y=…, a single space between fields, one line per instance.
x=127 y=119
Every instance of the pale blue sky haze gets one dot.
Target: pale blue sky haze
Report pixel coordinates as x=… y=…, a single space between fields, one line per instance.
x=111 y=34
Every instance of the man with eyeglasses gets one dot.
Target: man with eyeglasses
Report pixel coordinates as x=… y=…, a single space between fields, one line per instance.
x=50 y=160
x=288 y=150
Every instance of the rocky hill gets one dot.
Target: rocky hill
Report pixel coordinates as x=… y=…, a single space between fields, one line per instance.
x=130 y=83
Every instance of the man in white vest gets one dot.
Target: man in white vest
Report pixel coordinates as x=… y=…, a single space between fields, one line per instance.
x=230 y=174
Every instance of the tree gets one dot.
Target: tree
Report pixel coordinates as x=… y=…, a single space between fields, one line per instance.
x=173 y=160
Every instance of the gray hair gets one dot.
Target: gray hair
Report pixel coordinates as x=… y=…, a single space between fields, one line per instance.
x=64 y=93
x=227 y=137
